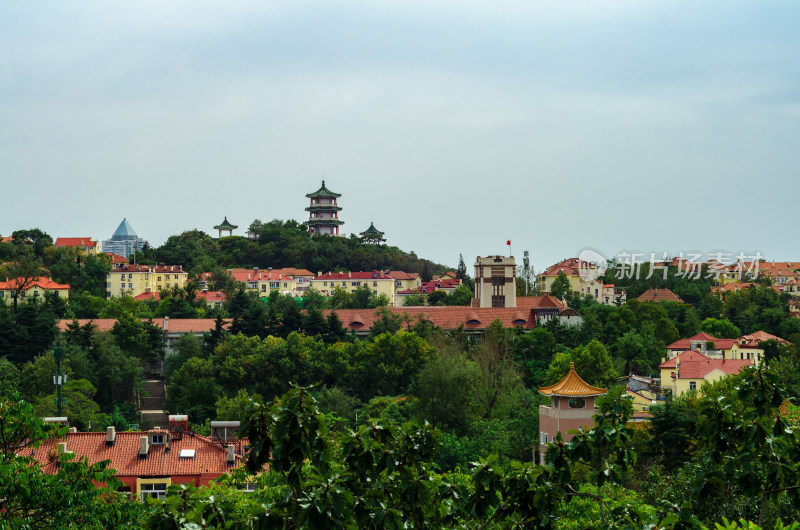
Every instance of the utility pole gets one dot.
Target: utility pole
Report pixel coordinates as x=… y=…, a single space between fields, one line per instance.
x=526 y=267
x=59 y=379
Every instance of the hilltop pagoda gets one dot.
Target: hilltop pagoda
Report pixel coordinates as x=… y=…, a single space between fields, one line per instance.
x=372 y=235
x=323 y=216
x=571 y=407
x=225 y=226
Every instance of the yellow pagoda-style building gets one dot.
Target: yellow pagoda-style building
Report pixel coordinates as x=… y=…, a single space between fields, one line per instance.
x=571 y=407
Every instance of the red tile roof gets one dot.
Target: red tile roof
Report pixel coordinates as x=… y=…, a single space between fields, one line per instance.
x=156 y=269
x=259 y=275
x=400 y=275
x=116 y=258
x=753 y=339
x=75 y=242
x=209 y=457
x=695 y=365
x=432 y=286
x=356 y=275
x=41 y=282
x=202 y=295
x=659 y=295
x=174 y=325
x=539 y=302
x=445 y=317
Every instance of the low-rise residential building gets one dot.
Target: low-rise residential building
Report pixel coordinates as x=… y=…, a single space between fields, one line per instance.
x=641 y=402
x=378 y=282
x=213 y=299
x=688 y=370
x=571 y=267
x=86 y=245
x=146 y=462
x=602 y=293
x=703 y=343
x=447 y=286
x=31 y=288
x=133 y=280
x=405 y=280
x=746 y=347
x=263 y=282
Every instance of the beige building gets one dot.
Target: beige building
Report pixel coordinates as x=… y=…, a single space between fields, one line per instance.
x=36 y=287
x=86 y=245
x=263 y=282
x=496 y=281
x=687 y=371
x=377 y=281
x=133 y=280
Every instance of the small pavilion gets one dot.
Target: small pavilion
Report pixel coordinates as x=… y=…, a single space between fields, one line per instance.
x=372 y=235
x=571 y=407
x=225 y=226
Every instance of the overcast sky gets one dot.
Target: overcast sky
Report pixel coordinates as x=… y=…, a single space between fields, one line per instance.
x=453 y=125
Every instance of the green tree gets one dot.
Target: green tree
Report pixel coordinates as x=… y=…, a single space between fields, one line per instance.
x=76 y=495
x=560 y=286
x=444 y=390
x=720 y=328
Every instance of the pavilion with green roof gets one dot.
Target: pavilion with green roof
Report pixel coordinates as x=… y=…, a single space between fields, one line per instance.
x=225 y=226
x=323 y=212
x=372 y=235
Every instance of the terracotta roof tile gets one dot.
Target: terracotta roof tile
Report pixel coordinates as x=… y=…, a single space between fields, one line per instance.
x=209 y=457
x=659 y=295
x=41 y=282
x=75 y=242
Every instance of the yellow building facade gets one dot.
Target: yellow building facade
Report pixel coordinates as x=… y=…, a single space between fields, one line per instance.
x=35 y=288
x=133 y=280
x=380 y=283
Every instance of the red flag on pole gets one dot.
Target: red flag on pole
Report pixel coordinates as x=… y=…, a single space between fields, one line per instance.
x=508 y=242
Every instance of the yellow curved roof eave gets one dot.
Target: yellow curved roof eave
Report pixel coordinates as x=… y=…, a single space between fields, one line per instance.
x=572 y=386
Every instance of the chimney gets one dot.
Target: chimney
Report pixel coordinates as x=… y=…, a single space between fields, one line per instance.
x=231 y=456
x=73 y=429
x=111 y=435
x=166 y=324
x=144 y=447
x=349 y=274
x=62 y=448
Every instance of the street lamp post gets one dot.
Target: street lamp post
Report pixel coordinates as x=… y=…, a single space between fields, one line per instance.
x=59 y=379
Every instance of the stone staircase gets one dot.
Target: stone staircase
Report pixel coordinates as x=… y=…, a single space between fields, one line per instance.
x=152 y=406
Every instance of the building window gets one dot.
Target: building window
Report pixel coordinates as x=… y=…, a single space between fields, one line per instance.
x=130 y=276
x=374 y=284
x=692 y=385
x=159 y=278
x=263 y=287
x=355 y=284
x=344 y=284
x=158 y=439
x=156 y=491
x=274 y=285
x=176 y=276
x=285 y=285
x=577 y=403
x=398 y=284
x=130 y=286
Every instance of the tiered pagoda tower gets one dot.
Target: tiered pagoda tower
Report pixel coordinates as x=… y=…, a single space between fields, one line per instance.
x=323 y=213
